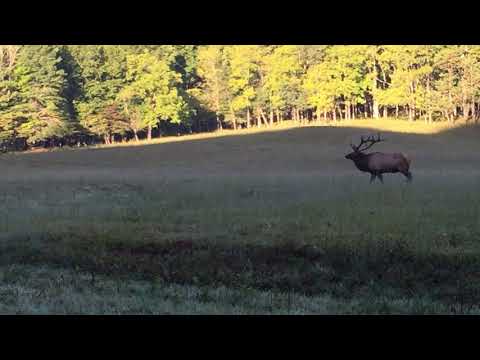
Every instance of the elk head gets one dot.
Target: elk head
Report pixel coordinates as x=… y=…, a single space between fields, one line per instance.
x=365 y=144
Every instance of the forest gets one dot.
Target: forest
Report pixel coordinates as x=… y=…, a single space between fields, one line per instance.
x=84 y=94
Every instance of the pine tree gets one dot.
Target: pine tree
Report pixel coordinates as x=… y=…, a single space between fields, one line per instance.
x=102 y=75
x=9 y=94
x=40 y=110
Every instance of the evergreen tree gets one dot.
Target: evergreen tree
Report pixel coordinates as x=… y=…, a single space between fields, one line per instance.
x=40 y=111
x=102 y=75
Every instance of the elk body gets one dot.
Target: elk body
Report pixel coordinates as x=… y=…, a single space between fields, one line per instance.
x=378 y=163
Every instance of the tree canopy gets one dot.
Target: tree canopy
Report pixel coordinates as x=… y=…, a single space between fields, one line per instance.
x=140 y=91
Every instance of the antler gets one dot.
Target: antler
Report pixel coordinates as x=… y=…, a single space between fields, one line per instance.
x=369 y=142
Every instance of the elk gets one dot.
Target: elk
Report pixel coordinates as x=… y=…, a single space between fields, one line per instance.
x=378 y=163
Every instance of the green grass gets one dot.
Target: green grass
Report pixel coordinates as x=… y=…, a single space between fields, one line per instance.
x=268 y=223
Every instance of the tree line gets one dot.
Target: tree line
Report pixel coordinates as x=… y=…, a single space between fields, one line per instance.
x=77 y=94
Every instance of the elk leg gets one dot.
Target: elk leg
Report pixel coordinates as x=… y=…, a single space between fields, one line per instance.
x=372 y=177
x=380 y=176
x=408 y=175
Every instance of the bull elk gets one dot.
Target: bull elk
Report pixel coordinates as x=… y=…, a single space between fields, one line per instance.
x=378 y=163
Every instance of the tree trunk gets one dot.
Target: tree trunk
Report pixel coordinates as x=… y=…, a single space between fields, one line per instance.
x=396 y=111
x=234 y=121
x=263 y=117
x=136 y=135
x=429 y=105
x=149 y=132
x=450 y=101
x=475 y=112
x=375 y=109
x=271 y=117
x=219 y=123
x=278 y=116
x=248 y=118
x=374 y=101
x=472 y=109
x=334 y=113
x=324 y=116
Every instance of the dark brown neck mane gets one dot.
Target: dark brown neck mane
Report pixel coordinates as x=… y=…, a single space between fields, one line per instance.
x=361 y=161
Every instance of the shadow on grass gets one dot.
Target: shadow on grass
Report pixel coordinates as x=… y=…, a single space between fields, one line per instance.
x=335 y=271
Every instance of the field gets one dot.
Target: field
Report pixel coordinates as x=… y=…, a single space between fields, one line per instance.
x=250 y=222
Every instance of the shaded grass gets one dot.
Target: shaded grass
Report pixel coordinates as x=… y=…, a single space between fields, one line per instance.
x=47 y=290
x=332 y=271
x=316 y=237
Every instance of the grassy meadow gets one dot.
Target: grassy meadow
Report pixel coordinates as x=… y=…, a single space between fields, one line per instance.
x=257 y=221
